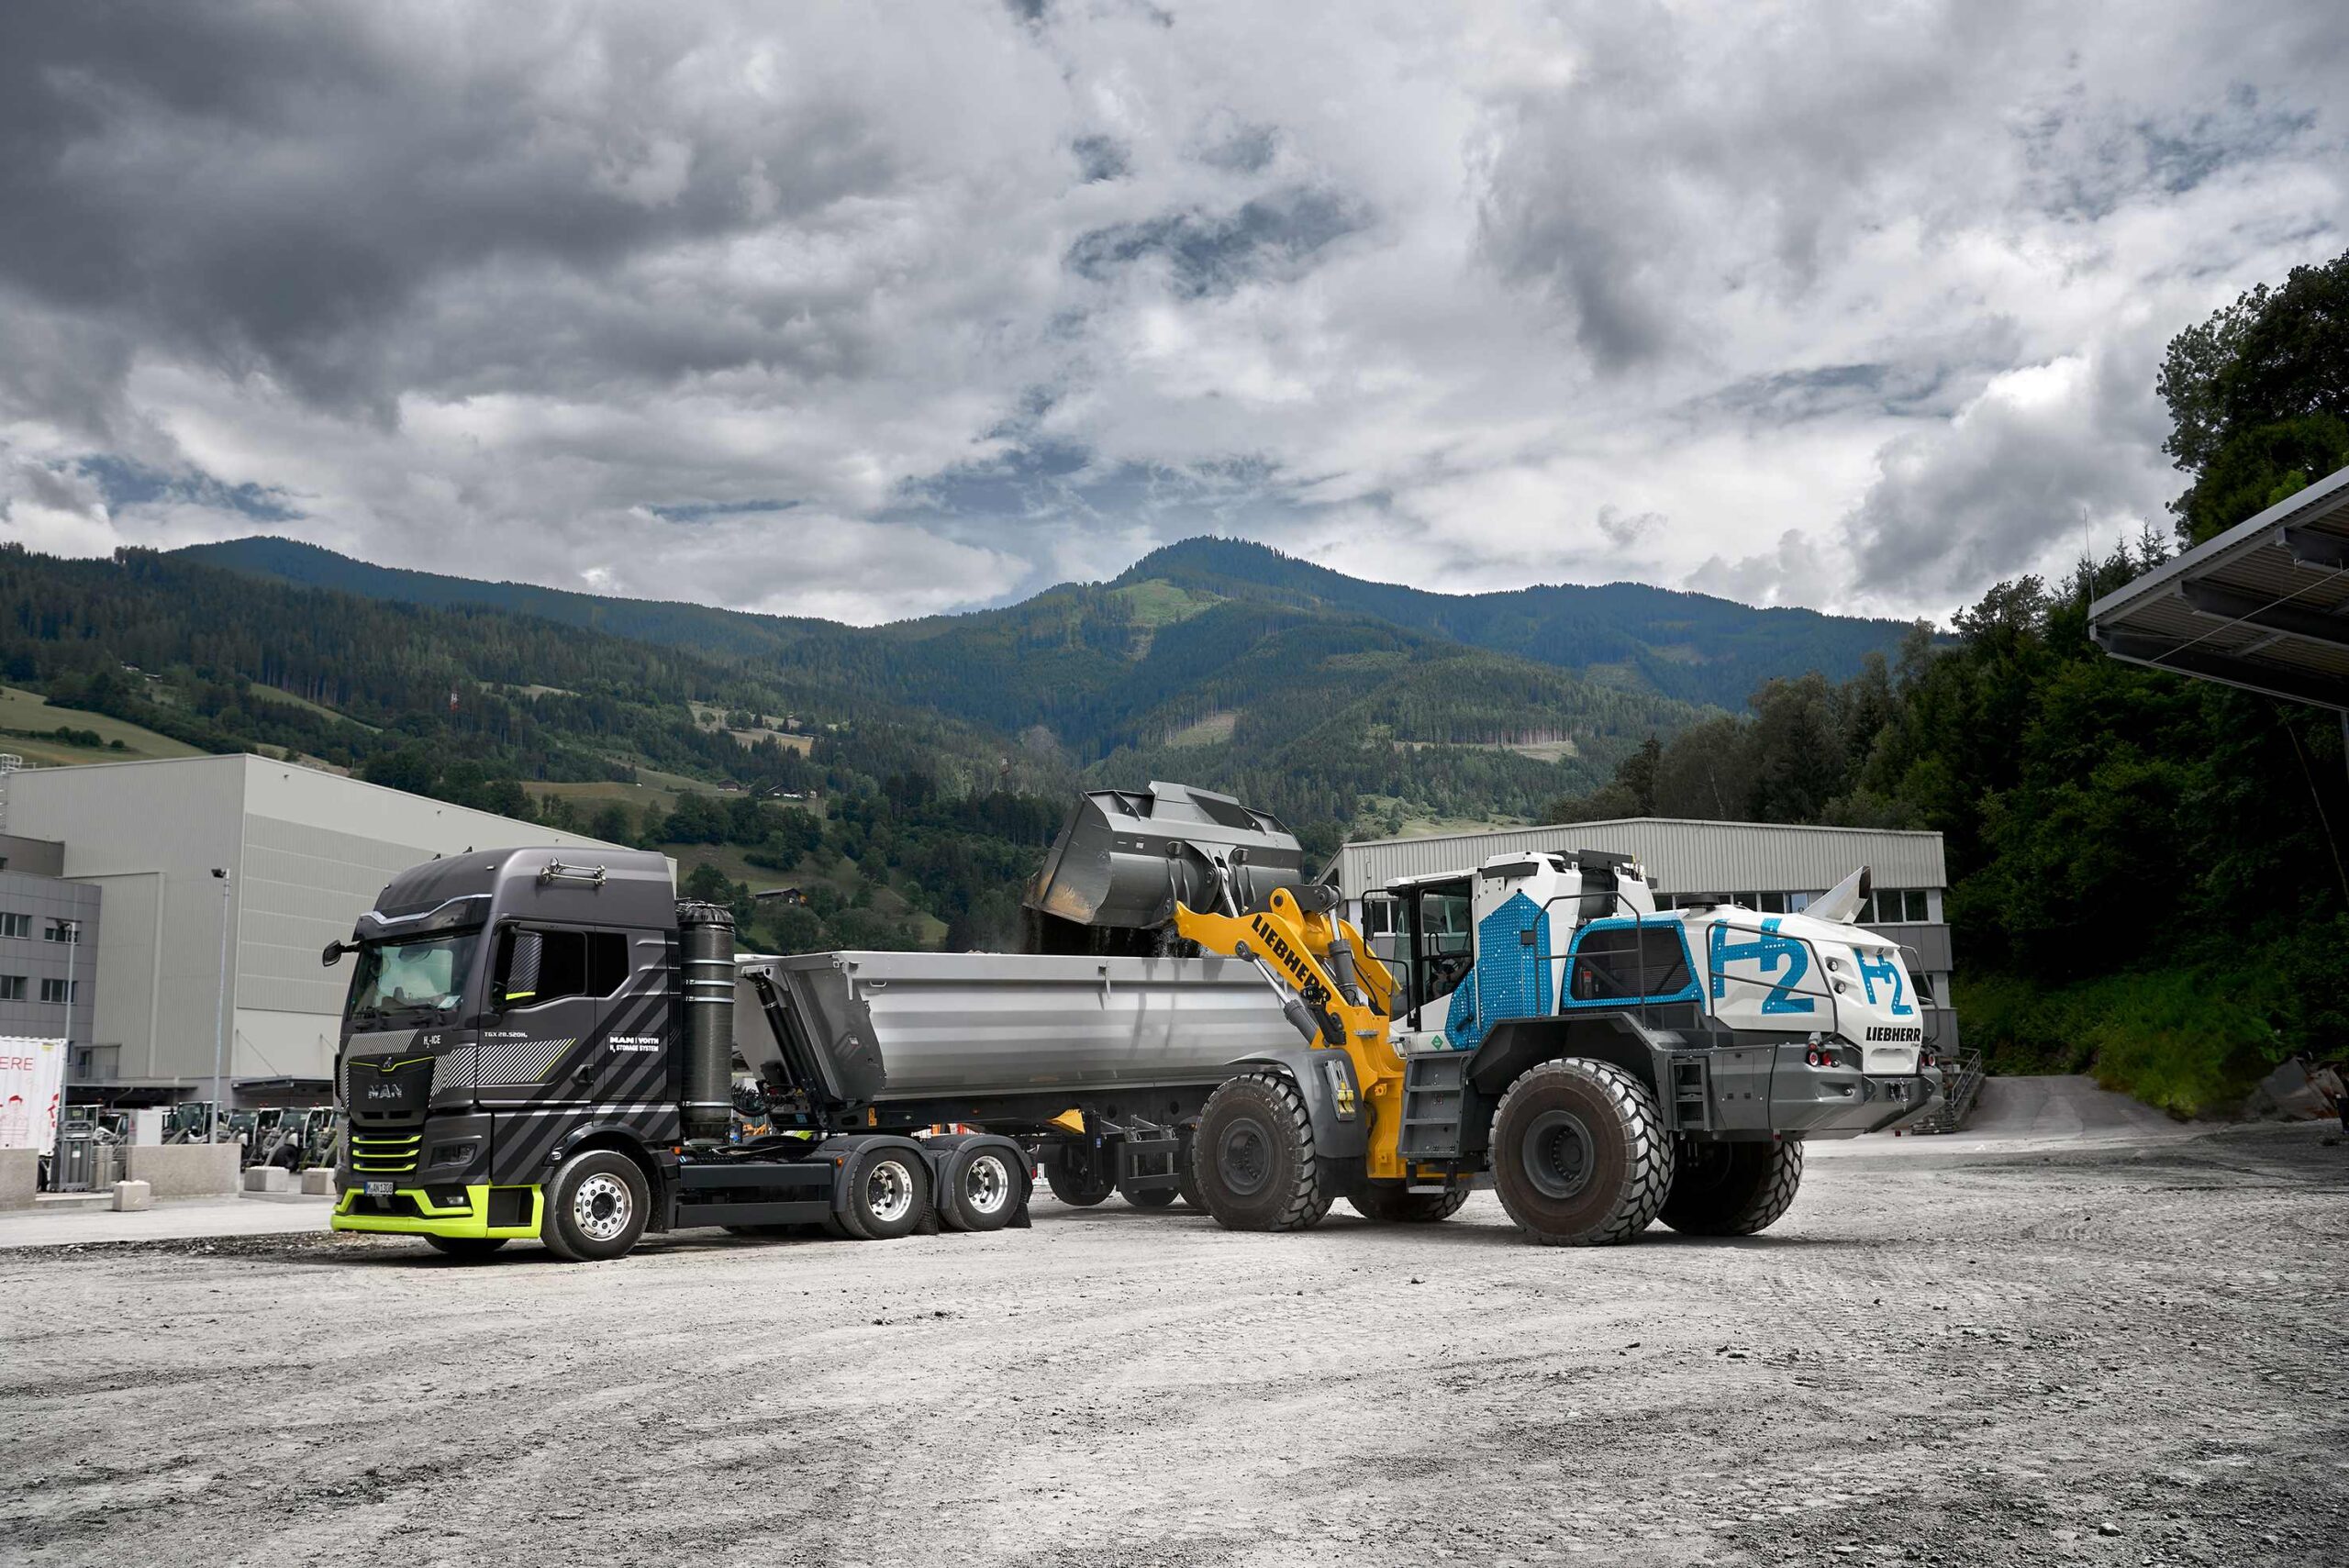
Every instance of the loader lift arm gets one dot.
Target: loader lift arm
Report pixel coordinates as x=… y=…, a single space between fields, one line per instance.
x=1336 y=992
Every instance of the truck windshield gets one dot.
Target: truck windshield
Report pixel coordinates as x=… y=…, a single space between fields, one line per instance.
x=418 y=977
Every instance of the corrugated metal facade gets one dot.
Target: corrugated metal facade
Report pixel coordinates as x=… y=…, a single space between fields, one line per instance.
x=1682 y=855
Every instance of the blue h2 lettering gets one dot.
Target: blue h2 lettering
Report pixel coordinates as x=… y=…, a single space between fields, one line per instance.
x=1766 y=953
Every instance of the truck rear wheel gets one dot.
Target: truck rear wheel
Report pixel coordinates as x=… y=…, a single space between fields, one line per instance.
x=1579 y=1154
x=888 y=1196
x=1253 y=1157
x=983 y=1188
x=1387 y=1203
x=1732 y=1189
x=595 y=1207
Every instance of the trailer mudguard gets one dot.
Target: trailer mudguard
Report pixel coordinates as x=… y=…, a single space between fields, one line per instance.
x=1333 y=1097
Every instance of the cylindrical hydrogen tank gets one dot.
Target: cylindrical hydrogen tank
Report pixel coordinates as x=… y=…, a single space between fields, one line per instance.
x=705 y=954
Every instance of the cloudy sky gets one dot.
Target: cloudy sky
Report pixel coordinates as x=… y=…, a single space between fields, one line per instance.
x=868 y=312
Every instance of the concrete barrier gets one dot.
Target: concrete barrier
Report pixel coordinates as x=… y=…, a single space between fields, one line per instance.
x=269 y=1179
x=20 y=1177
x=129 y=1198
x=182 y=1170
x=318 y=1182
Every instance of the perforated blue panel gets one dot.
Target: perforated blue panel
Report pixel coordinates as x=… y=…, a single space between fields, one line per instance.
x=1512 y=978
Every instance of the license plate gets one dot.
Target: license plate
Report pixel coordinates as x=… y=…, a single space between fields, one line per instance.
x=379 y=1189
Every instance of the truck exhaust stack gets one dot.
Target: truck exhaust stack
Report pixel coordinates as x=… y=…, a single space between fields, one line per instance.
x=1125 y=858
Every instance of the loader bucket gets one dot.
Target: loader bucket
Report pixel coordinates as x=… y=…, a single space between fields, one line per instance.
x=1124 y=857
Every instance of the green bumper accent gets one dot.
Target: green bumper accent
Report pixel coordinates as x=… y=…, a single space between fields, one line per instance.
x=469 y=1219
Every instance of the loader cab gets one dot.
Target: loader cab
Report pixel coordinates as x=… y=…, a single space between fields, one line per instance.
x=1434 y=942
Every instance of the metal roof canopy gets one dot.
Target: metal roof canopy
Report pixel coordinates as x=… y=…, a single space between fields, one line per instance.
x=2264 y=606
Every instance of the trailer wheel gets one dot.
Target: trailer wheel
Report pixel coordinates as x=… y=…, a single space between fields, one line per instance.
x=1253 y=1156
x=1579 y=1154
x=1074 y=1189
x=1732 y=1189
x=1387 y=1203
x=983 y=1187
x=466 y=1247
x=595 y=1207
x=888 y=1196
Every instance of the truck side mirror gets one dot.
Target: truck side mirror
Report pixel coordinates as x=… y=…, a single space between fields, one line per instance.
x=519 y=956
x=331 y=954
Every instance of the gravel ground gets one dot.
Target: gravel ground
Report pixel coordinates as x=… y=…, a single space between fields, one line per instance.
x=2124 y=1353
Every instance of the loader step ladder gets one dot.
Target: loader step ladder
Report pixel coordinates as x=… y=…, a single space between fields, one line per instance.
x=1692 y=1093
x=1435 y=1085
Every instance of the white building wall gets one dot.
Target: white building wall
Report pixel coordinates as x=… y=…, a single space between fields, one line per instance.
x=310 y=850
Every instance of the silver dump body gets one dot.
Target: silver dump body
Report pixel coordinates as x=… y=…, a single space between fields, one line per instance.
x=973 y=1023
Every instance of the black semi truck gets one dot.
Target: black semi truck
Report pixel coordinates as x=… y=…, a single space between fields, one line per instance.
x=547 y=1043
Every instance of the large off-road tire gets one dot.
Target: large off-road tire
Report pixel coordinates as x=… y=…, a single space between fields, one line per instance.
x=465 y=1247
x=595 y=1207
x=1387 y=1203
x=888 y=1195
x=1732 y=1189
x=1078 y=1190
x=1151 y=1198
x=1253 y=1157
x=1579 y=1154
x=985 y=1185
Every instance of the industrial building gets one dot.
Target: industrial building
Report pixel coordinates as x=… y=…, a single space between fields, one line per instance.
x=48 y=935
x=144 y=846
x=1775 y=868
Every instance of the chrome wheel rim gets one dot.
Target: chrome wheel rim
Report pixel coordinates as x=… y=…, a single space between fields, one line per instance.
x=888 y=1191
x=986 y=1184
x=600 y=1208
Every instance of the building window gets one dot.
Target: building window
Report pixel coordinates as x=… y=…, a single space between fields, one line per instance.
x=12 y=987
x=54 y=991
x=68 y=931
x=15 y=925
x=1897 y=906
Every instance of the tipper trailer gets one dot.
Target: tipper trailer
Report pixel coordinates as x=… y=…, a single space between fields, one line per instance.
x=548 y=1044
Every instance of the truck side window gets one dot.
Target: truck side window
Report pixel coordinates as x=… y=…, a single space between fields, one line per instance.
x=570 y=963
x=607 y=968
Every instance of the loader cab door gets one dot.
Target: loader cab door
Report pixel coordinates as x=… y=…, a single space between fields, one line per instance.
x=549 y=987
x=1436 y=945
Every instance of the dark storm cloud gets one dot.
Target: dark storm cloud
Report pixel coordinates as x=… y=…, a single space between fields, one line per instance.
x=787 y=306
x=273 y=188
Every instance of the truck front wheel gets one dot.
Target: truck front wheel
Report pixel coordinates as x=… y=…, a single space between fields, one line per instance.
x=1579 y=1153
x=1732 y=1189
x=595 y=1207
x=1253 y=1158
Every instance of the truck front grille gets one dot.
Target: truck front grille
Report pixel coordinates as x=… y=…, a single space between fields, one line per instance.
x=383 y=1155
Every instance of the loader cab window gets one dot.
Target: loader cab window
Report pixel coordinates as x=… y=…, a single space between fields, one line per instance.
x=545 y=965
x=1435 y=941
x=1628 y=961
